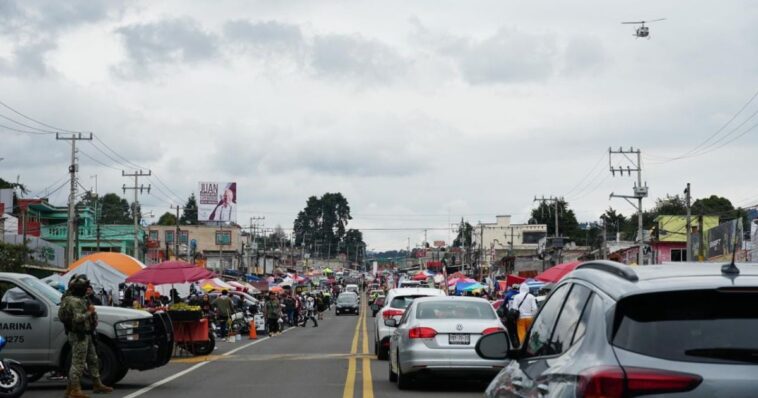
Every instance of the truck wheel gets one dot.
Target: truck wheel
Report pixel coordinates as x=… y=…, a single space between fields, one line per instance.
x=110 y=368
x=120 y=376
x=15 y=384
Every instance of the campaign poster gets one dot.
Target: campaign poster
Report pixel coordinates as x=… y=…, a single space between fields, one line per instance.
x=217 y=202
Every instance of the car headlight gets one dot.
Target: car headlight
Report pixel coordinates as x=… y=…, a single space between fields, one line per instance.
x=126 y=330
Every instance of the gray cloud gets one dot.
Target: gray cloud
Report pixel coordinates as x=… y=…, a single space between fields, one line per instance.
x=164 y=42
x=34 y=28
x=508 y=56
x=352 y=56
x=267 y=37
x=584 y=56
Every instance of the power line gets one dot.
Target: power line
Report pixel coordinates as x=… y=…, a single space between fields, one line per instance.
x=35 y=120
x=2 y=126
x=26 y=125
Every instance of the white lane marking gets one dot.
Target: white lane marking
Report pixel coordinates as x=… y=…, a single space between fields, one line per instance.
x=195 y=367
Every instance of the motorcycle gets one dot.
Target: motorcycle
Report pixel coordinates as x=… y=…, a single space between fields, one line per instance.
x=13 y=379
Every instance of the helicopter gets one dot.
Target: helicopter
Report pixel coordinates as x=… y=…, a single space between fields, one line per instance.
x=643 y=31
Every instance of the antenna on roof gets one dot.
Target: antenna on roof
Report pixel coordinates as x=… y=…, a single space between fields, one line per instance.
x=731 y=268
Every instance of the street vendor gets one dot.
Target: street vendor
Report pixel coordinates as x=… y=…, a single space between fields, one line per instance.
x=225 y=309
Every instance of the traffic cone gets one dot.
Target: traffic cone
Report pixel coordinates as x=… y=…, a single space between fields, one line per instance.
x=253 y=333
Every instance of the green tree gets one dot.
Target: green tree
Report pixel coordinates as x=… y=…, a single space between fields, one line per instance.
x=322 y=223
x=544 y=213
x=12 y=257
x=115 y=210
x=13 y=185
x=615 y=222
x=167 y=219
x=189 y=216
x=464 y=238
x=353 y=245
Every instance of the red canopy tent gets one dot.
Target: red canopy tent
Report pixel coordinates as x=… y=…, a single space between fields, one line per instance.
x=169 y=272
x=421 y=276
x=555 y=273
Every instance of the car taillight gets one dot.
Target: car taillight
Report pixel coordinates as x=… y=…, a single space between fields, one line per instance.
x=492 y=330
x=388 y=314
x=422 y=333
x=610 y=382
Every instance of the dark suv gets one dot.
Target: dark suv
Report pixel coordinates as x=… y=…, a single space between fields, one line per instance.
x=610 y=330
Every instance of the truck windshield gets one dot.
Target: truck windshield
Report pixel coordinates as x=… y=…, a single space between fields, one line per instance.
x=44 y=289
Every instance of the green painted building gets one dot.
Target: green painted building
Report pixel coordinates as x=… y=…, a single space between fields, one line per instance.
x=50 y=223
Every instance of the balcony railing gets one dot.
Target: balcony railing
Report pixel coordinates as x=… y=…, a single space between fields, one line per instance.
x=107 y=232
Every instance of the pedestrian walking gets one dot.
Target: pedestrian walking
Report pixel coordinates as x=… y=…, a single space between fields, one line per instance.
x=273 y=311
x=524 y=307
x=310 y=311
x=80 y=321
x=225 y=309
x=289 y=308
x=320 y=305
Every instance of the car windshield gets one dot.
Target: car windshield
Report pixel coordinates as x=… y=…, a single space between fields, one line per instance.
x=403 y=302
x=346 y=299
x=455 y=310
x=44 y=289
x=697 y=325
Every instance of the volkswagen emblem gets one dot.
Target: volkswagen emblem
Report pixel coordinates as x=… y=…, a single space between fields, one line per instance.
x=459 y=327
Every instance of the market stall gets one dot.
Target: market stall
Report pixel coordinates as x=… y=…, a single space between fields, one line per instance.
x=191 y=328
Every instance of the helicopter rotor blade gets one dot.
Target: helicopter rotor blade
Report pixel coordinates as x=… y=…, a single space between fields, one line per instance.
x=633 y=23
x=656 y=20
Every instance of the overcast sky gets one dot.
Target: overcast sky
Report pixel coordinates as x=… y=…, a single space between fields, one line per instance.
x=419 y=112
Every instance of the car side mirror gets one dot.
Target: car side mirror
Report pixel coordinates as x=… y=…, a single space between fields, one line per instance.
x=390 y=322
x=32 y=308
x=494 y=346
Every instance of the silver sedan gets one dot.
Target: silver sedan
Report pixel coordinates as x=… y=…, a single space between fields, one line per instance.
x=438 y=334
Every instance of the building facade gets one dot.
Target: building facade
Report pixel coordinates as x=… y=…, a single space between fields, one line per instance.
x=502 y=238
x=217 y=247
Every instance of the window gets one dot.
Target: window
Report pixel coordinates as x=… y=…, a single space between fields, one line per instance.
x=455 y=310
x=223 y=238
x=169 y=236
x=711 y=326
x=154 y=235
x=569 y=319
x=678 y=255
x=13 y=297
x=537 y=343
x=184 y=237
x=403 y=302
x=531 y=238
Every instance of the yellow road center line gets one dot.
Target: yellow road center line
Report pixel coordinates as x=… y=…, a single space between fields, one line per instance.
x=349 y=389
x=368 y=383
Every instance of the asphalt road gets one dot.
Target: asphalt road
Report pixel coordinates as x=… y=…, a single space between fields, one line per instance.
x=332 y=360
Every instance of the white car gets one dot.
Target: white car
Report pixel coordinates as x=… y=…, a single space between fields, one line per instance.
x=352 y=288
x=394 y=307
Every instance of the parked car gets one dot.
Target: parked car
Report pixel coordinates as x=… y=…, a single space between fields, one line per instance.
x=395 y=304
x=377 y=305
x=347 y=303
x=611 y=330
x=438 y=334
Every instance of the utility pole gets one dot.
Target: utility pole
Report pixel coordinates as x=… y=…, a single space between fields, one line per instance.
x=176 y=236
x=555 y=201
x=687 y=198
x=137 y=189
x=73 y=168
x=640 y=191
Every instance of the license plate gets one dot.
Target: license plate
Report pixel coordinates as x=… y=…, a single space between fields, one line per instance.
x=460 y=339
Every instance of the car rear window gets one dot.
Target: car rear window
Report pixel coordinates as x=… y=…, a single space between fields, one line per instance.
x=403 y=302
x=717 y=326
x=455 y=310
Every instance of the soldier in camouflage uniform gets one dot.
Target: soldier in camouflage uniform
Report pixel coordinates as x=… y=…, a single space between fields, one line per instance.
x=80 y=321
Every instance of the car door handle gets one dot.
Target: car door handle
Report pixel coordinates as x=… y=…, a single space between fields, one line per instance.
x=543 y=388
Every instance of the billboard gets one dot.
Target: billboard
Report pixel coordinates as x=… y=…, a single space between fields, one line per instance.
x=217 y=202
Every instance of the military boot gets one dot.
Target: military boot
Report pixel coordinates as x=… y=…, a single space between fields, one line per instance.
x=76 y=392
x=99 y=388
